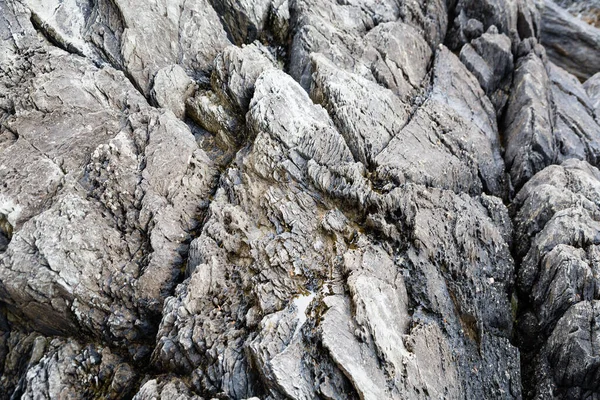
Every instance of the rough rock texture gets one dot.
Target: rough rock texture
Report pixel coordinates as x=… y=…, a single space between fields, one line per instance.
x=571 y=43
x=549 y=118
x=298 y=199
x=138 y=39
x=587 y=10
x=557 y=228
x=490 y=59
x=592 y=87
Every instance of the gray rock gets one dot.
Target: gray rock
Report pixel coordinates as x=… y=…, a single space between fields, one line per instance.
x=549 y=118
x=592 y=86
x=571 y=43
x=113 y=171
x=557 y=230
x=530 y=145
x=17 y=350
x=399 y=57
x=237 y=69
x=171 y=88
x=529 y=19
x=367 y=116
x=221 y=109
x=139 y=40
x=292 y=268
x=68 y=369
x=503 y=15
x=322 y=210
x=576 y=131
x=490 y=59
x=244 y=20
x=337 y=31
x=167 y=389
x=572 y=351
x=588 y=11
x=280 y=20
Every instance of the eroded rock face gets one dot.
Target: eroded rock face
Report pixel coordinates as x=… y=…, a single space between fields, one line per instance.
x=572 y=43
x=557 y=229
x=296 y=199
x=588 y=11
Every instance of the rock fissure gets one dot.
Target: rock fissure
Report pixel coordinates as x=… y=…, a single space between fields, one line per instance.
x=297 y=199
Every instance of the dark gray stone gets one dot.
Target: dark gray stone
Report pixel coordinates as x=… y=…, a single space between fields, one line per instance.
x=571 y=43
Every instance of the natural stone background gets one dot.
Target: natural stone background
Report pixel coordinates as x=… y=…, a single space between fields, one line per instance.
x=299 y=199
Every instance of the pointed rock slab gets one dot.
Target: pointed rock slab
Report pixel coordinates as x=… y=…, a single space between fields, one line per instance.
x=358 y=360
x=503 y=14
x=171 y=88
x=490 y=59
x=458 y=91
x=237 y=69
x=530 y=144
x=577 y=132
x=367 y=115
x=380 y=310
x=572 y=351
x=570 y=42
x=455 y=87
x=335 y=30
x=284 y=111
x=557 y=223
x=279 y=350
x=399 y=57
x=434 y=144
x=369 y=39
x=71 y=24
x=139 y=40
x=425 y=152
x=165 y=32
x=245 y=20
x=592 y=86
x=555 y=189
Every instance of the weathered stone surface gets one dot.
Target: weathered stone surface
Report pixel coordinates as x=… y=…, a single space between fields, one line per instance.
x=575 y=128
x=102 y=156
x=337 y=31
x=571 y=43
x=16 y=353
x=171 y=88
x=277 y=250
x=165 y=388
x=59 y=368
x=503 y=15
x=530 y=145
x=549 y=118
x=244 y=20
x=295 y=199
x=490 y=59
x=592 y=86
x=558 y=233
x=588 y=11
x=139 y=40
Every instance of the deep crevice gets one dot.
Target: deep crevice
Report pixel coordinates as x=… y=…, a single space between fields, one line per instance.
x=6 y=232
x=56 y=40
x=52 y=36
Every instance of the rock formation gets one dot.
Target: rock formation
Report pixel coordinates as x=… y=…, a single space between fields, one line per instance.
x=301 y=199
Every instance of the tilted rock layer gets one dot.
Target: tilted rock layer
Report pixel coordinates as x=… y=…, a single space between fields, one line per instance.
x=299 y=199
